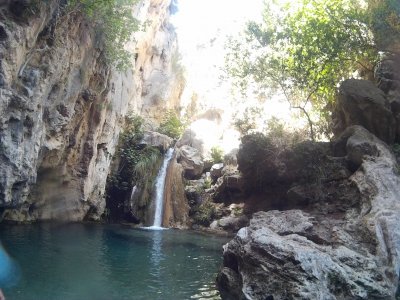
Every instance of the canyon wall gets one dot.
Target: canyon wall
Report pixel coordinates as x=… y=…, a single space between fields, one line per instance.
x=62 y=106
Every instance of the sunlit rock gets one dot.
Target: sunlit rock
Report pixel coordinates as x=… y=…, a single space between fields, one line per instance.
x=191 y=161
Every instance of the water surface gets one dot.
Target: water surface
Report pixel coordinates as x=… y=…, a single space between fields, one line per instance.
x=90 y=261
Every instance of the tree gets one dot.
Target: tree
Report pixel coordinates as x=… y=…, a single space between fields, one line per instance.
x=304 y=49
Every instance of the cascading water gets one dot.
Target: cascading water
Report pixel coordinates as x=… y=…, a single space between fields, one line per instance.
x=159 y=198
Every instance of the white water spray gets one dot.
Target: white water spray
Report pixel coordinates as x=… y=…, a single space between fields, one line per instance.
x=159 y=198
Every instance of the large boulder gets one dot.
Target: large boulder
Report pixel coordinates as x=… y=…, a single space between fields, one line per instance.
x=191 y=161
x=360 y=102
x=155 y=139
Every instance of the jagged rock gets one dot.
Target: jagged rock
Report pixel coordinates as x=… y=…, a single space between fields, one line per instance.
x=155 y=139
x=216 y=171
x=351 y=251
x=275 y=258
x=360 y=102
x=191 y=161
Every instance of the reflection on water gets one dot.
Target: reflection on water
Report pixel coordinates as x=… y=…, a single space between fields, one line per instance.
x=80 y=261
x=156 y=254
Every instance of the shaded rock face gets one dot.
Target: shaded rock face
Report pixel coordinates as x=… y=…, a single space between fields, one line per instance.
x=360 y=102
x=306 y=175
x=61 y=111
x=325 y=251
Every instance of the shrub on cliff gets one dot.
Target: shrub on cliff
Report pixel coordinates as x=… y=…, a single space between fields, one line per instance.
x=217 y=155
x=115 y=25
x=172 y=125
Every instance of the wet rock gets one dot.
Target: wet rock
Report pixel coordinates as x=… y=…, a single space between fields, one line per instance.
x=176 y=208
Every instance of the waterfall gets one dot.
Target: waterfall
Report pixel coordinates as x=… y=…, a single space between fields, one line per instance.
x=159 y=198
x=133 y=193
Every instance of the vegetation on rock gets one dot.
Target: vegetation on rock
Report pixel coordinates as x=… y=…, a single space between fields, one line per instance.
x=115 y=24
x=136 y=165
x=172 y=125
x=217 y=154
x=204 y=213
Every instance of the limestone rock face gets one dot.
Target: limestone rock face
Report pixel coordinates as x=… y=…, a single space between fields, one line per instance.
x=360 y=102
x=155 y=139
x=191 y=161
x=346 y=252
x=62 y=109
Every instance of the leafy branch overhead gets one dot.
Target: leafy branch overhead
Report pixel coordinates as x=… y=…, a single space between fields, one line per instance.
x=305 y=48
x=115 y=23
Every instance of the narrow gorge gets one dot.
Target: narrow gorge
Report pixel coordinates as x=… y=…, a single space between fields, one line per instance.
x=164 y=149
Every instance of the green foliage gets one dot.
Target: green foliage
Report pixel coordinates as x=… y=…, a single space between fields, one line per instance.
x=305 y=49
x=384 y=17
x=207 y=183
x=172 y=125
x=204 y=213
x=115 y=23
x=217 y=154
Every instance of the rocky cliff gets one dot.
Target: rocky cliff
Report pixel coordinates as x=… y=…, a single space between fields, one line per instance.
x=62 y=106
x=327 y=214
